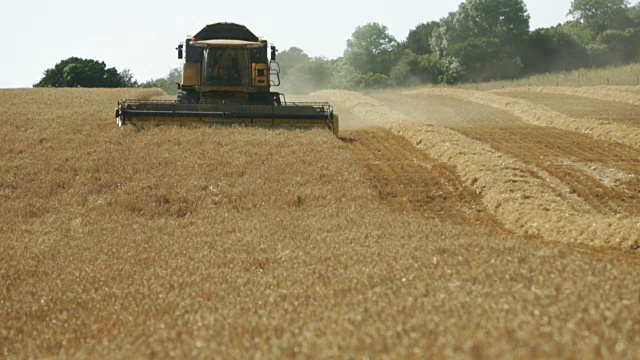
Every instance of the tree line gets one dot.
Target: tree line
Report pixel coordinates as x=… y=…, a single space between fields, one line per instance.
x=88 y=73
x=482 y=40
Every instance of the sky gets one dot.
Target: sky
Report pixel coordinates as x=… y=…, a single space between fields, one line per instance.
x=142 y=35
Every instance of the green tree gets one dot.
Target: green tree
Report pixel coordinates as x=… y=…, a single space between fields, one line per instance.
x=433 y=68
x=621 y=47
x=446 y=70
x=633 y=14
x=408 y=70
x=483 y=60
x=301 y=74
x=504 y=20
x=341 y=72
x=78 y=72
x=607 y=29
x=128 y=79
x=308 y=76
x=578 y=31
x=485 y=38
x=419 y=39
x=600 y=15
x=288 y=61
x=291 y=58
x=371 y=49
x=369 y=81
x=555 y=49
x=167 y=83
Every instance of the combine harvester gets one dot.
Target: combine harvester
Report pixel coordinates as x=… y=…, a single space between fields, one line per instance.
x=226 y=80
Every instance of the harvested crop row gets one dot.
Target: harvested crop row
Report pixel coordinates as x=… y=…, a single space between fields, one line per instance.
x=413 y=183
x=578 y=107
x=539 y=115
x=522 y=200
x=627 y=89
x=605 y=174
x=621 y=94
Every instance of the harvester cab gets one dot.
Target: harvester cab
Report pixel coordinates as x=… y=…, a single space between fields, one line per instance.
x=226 y=80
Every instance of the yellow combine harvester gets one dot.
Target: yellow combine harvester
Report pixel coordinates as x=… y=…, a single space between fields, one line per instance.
x=226 y=80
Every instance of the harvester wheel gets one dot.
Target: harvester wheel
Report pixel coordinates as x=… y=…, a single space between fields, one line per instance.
x=119 y=120
x=187 y=96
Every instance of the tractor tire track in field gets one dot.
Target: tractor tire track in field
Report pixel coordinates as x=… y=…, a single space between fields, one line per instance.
x=411 y=182
x=605 y=175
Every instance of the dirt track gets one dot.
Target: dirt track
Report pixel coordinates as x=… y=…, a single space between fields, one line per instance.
x=605 y=174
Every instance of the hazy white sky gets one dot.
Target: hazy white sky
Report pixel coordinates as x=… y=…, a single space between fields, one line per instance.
x=142 y=35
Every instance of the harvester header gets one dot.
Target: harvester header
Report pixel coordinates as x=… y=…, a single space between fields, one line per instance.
x=227 y=77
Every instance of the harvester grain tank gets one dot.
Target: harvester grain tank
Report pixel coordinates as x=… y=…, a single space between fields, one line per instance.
x=226 y=80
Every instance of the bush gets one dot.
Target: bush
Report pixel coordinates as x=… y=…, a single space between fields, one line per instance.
x=87 y=73
x=408 y=71
x=441 y=70
x=369 y=81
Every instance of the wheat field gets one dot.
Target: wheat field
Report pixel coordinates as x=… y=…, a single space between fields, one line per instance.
x=250 y=243
x=610 y=76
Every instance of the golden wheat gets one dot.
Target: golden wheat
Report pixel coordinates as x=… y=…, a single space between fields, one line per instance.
x=233 y=242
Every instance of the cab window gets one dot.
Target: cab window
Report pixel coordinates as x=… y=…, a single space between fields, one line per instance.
x=226 y=67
